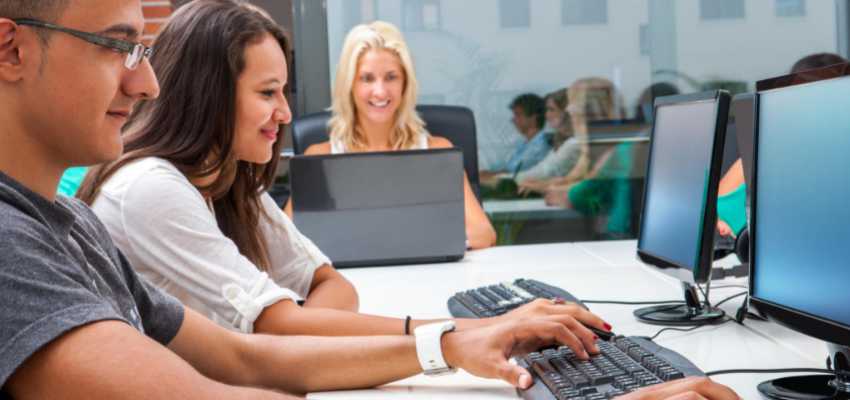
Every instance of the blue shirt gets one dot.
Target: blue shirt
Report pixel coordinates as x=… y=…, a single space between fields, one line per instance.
x=530 y=153
x=71 y=181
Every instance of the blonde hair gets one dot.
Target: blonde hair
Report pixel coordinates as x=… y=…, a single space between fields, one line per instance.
x=602 y=99
x=343 y=127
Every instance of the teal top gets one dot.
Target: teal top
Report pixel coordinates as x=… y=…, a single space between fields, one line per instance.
x=731 y=208
x=609 y=193
x=71 y=181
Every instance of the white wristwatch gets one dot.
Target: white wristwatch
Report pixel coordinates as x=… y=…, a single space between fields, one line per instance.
x=429 y=349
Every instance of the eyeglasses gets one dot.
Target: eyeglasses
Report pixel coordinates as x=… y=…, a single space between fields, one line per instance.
x=135 y=51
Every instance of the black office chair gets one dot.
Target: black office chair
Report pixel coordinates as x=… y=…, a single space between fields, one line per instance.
x=455 y=123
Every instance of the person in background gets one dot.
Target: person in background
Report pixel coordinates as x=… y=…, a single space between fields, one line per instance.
x=567 y=150
x=646 y=100
x=817 y=60
x=528 y=118
x=589 y=100
x=373 y=109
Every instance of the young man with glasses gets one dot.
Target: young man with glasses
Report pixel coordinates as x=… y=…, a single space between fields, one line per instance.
x=77 y=322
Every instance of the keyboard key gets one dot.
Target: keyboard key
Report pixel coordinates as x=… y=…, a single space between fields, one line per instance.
x=588 y=390
x=674 y=375
x=567 y=394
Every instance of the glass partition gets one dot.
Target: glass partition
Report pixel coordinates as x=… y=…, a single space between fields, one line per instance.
x=562 y=90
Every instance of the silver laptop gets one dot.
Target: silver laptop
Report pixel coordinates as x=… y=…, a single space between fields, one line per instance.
x=388 y=208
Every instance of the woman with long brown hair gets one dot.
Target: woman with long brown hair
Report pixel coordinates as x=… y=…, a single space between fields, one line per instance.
x=186 y=202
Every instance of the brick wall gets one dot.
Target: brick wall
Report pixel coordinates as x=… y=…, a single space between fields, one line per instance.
x=156 y=13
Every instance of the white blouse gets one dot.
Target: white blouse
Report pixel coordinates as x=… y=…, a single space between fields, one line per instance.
x=163 y=225
x=557 y=163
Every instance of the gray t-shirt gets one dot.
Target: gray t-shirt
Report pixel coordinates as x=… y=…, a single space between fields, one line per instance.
x=59 y=270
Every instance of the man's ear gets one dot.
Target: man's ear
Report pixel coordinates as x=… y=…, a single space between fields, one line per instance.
x=11 y=54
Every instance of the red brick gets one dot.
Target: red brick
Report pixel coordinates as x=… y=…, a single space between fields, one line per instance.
x=157 y=12
x=152 y=28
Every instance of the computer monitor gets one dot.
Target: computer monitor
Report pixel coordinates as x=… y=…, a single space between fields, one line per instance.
x=800 y=220
x=680 y=199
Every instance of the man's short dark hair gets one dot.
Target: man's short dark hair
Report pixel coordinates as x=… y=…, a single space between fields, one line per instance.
x=818 y=60
x=531 y=105
x=45 y=10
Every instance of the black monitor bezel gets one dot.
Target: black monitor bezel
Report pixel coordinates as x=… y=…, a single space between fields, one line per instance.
x=800 y=321
x=701 y=272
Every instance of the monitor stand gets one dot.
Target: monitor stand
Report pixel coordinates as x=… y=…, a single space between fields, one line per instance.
x=692 y=312
x=813 y=387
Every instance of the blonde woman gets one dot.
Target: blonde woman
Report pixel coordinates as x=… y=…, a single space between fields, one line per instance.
x=374 y=99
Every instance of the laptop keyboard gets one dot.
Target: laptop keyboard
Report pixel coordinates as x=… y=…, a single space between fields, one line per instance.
x=493 y=300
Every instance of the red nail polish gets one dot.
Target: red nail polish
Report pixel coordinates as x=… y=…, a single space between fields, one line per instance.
x=607 y=327
x=595 y=337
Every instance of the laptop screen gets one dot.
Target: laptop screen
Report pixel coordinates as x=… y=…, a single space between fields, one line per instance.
x=379 y=208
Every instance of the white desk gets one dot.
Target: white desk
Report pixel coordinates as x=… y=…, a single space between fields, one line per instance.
x=591 y=271
x=526 y=209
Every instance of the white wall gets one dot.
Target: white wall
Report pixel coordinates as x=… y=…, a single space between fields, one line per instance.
x=474 y=62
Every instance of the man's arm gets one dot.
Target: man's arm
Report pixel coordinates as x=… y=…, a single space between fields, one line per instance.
x=111 y=360
x=308 y=364
x=330 y=289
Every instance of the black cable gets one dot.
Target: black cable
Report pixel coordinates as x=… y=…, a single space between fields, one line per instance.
x=768 y=371
x=705 y=293
x=636 y=303
x=725 y=320
x=729 y=298
x=674 y=329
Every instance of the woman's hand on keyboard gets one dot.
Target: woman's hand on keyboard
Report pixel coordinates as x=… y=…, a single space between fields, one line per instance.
x=694 y=388
x=545 y=308
x=485 y=351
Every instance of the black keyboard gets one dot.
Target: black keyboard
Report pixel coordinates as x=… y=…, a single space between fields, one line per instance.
x=493 y=300
x=624 y=364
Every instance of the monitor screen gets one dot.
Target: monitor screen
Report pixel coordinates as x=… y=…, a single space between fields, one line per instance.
x=800 y=251
x=678 y=182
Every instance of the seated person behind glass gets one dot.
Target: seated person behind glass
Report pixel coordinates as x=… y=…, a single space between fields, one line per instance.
x=374 y=110
x=589 y=99
x=528 y=117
